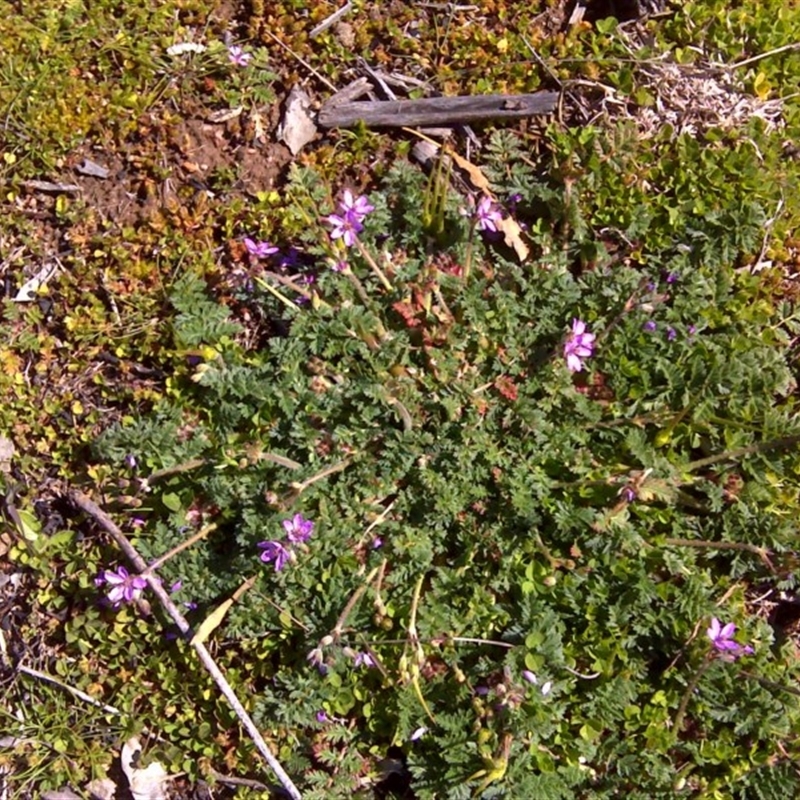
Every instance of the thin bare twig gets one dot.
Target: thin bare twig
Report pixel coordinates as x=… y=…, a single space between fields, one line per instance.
x=338 y=628
x=590 y=677
x=747 y=61
x=768 y=225
x=299 y=487
x=90 y=508
x=771 y=684
x=187 y=466
x=289 y=283
x=195 y=537
x=43 y=676
x=378 y=79
x=331 y=20
x=318 y=75
x=687 y=695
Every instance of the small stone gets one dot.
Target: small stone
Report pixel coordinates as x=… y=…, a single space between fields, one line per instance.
x=345 y=34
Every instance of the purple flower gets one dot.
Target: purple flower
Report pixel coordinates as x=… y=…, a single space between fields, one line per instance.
x=628 y=494
x=671 y=333
x=363 y=660
x=377 y=543
x=238 y=57
x=291 y=259
x=259 y=249
x=579 y=345
x=176 y=587
x=348 y=224
x=355 y=207
x=130 y=461
x=308 y=279
x=316 y=657
x=125 y=588
x=487 y=216
x=298 y=529
x=346 y=228
x=672 y=277
x=722 y=641
x=274 y=551
x=649 y=326
x=322 y=716
x=531 y=678
x=513 y=201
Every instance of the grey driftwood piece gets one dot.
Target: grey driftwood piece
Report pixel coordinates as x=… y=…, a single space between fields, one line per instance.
x=435 y=111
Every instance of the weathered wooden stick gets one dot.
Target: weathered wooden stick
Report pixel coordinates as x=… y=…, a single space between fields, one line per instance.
x=436 y=110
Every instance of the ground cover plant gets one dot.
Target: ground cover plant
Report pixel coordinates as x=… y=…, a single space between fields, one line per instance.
x=499 y=464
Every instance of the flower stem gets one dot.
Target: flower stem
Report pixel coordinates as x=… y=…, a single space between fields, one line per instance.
x=359 y=287
x=679 y=717
x=362 y=293
x=373 y=264
x=468 y=257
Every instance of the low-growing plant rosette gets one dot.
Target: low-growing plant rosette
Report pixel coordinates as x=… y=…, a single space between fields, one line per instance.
x=524 y=452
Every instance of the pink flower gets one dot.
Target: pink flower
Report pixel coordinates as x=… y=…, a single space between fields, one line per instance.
x=238 y=57
x=363 y=659
x=357 y=207
x=721 y=637
x=579 y=345
x=125 y=588
x=348 y=224
x=298 y=529
x=487 y=215
x=259 y=249
x=345 y=228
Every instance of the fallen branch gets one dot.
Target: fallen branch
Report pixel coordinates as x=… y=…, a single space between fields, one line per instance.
x=107 y=524
x=435 y=111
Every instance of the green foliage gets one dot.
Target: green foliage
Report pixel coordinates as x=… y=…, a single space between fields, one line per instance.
x=440 y=416
x=437 y=415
